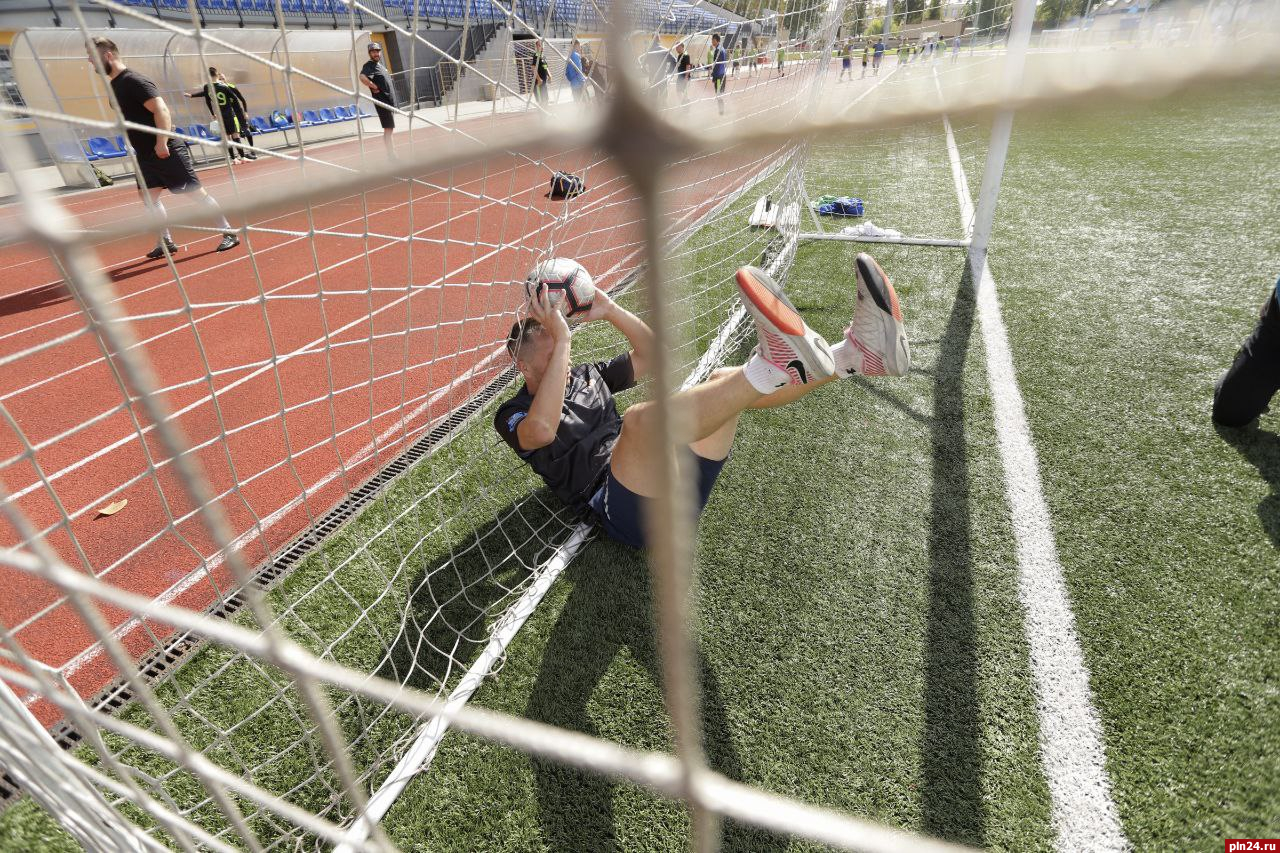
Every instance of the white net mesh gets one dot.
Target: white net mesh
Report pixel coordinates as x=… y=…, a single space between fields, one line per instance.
x=324 y=540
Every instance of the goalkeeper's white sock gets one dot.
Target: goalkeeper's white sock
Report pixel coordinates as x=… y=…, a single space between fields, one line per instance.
x=847 y=359
x=163 y=212
x=765 y=376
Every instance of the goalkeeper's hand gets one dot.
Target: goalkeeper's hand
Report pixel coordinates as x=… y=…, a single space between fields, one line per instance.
x=601 y=307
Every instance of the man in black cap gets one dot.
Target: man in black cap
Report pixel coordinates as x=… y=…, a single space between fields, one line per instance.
x=374 y=75
x=164 y=163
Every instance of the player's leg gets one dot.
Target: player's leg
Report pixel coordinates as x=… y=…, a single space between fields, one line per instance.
x=788 y=353
x=229 y=238
x=1245 y=391
x=166 y=238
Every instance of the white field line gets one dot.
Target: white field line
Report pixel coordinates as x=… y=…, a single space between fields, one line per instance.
x=1072 y=755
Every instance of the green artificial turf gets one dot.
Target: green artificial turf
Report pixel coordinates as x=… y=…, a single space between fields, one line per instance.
x=1132 y=250
x=860 y=640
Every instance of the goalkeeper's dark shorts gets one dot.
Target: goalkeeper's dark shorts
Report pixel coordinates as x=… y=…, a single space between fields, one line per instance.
x=1245 y=390
x=620 y=511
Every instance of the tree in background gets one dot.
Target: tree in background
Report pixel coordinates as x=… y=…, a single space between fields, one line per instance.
x=985 y=15
x=935 y=11
x=913 y=11
x=855 y=19
x=1053 y=13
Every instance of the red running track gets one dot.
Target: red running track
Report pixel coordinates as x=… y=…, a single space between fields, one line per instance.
x=295 y=367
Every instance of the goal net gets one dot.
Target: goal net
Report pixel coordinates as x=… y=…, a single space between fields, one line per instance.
x=267 y=543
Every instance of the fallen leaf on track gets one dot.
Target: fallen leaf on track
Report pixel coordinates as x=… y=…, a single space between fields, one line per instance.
x=113 y=508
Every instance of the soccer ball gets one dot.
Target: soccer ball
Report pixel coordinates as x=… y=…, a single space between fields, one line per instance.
x=569 y=285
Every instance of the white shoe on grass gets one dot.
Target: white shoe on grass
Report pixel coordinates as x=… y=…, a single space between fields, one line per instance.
x=785 y=341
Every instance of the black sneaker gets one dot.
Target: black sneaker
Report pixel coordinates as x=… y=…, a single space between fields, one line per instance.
x=157 y=253
x=229 y=241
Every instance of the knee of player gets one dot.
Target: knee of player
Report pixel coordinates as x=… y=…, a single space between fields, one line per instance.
x=722 y=372
x=639 y=417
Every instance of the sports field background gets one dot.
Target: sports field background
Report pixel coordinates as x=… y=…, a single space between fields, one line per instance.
x=861 y=640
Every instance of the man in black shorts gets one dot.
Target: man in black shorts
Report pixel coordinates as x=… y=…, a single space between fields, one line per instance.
x=374 y=75
x=164 y=163
x=229 y=110
x=564 y=423
x=1245 y=390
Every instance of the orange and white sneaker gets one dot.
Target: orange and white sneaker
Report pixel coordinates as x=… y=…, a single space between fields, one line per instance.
x=875 y=343
x=785 y=341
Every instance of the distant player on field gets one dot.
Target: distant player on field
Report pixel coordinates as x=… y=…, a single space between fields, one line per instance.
x=163 y=163
x=1244 y=392
x=374 y=76
x=564 y=423
x=877 y=57
x=226 y=104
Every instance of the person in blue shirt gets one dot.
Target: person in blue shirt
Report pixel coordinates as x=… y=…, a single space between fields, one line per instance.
x=876 y=57
x=719 y=62
x=573 y=71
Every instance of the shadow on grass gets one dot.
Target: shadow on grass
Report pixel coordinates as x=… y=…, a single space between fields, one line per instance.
x=951 y=784
x=456 y=599
x=610 y=611
x=1261 y=448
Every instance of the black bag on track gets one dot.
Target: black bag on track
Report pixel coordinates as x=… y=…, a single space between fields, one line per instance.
x=565 y=185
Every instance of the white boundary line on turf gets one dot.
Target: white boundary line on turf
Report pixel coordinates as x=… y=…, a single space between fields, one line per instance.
x=1072 y=755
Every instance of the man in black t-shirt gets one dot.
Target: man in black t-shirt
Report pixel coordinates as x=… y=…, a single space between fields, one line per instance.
x=565 y=424
x=164 y=163
x=374 y=75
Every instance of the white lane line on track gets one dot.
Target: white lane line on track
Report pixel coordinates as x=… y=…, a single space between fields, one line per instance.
x=1072 y=755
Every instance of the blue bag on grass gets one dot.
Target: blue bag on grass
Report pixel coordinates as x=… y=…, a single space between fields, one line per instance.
x=842 y=206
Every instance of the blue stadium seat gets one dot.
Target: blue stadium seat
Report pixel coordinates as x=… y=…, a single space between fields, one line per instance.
x=328 y=116
x=282 y=123
x=344 y=114
x=261 y=125
x=105 y=149
x=203 y=132
x=361 y=111
x=89 y=155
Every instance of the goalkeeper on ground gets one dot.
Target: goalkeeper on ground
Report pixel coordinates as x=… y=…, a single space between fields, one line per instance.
x=564 y=423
